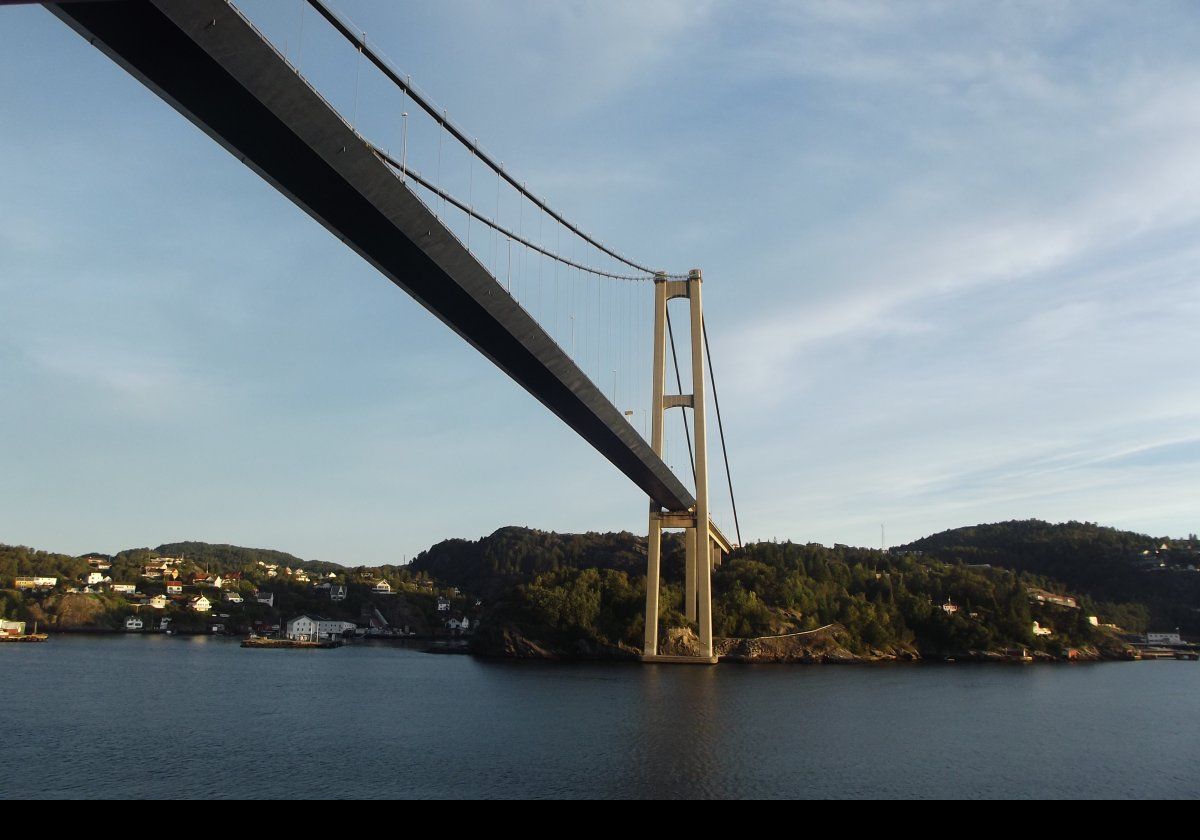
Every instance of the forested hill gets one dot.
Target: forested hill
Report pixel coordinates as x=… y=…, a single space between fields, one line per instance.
x=1106 y=563
x=514 y=555
x=235 y=557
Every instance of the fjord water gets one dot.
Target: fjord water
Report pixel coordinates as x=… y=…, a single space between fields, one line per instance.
x=148 y=716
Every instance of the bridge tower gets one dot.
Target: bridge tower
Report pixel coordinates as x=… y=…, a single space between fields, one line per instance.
x=703 y=541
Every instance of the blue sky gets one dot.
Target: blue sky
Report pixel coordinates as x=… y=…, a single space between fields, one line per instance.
x=950 y=252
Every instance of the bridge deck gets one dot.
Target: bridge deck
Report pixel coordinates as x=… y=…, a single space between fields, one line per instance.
x=204 y=59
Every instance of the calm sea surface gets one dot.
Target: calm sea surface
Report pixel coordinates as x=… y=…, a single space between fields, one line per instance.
x=134 y=716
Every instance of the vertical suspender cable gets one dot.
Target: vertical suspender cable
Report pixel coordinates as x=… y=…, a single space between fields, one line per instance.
x=712 y=378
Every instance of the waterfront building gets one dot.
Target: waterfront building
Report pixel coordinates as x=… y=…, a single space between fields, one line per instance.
x=1163 y=639
x=11 y=628
x=133 y=623
x=301 y=628
x=332 y=628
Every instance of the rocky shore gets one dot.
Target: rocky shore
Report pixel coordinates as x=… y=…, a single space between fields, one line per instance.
x=826 y=646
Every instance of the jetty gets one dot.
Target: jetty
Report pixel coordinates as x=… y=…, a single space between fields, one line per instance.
x=29 y=637
x=271 y=644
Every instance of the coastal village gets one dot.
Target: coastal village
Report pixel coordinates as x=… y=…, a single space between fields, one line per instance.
x=266 y=600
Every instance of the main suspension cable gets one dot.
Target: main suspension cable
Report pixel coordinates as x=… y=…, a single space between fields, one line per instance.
x=335 y=20
x=466 y=208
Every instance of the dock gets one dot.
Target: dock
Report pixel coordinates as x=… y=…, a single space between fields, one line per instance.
x=256 y=642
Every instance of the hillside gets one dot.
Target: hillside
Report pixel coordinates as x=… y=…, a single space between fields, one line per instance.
x=1106 y=564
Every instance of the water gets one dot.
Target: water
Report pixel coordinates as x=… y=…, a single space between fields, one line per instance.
x=145 y=716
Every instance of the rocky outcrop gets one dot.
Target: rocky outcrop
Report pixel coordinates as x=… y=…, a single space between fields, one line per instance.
x=827 y=646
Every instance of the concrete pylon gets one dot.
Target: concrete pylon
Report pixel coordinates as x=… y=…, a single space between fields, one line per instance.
x=703 y=541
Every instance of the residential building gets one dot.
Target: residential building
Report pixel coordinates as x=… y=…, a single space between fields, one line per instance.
x=1039 y=630
x=133 y=623
x=94 y=578
x=949 y=608
x=382 y=588
x=459 y=626
x=159 y=602
x=233 y=597
x=337 y=592
x=443 y=604
x=175 y=587
x=267 y=598
x=200 y=604
x=125 y=588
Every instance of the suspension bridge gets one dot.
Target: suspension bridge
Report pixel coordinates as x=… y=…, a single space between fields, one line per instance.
x=563 y=314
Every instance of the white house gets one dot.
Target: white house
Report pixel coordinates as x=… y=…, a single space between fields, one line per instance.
x=174 y=587
x=233 y=597
x=94 y=578
x=200 y=604
x=443 y=604
x=382 y=588
x=159 y=602
x=267 y=598
x=1039 y=630
x=459 y=625
x=125 y=588
x=134 y=623
x=949 y=608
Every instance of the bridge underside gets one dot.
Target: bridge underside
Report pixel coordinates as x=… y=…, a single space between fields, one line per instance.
x=205 y=60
